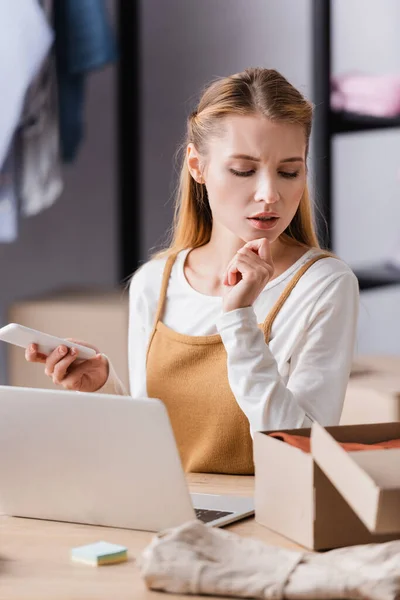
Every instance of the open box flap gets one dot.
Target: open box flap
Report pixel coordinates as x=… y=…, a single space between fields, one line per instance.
x=369 y=480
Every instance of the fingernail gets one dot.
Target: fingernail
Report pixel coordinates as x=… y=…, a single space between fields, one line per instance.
x=62 y=351
x=73 y=351
x=32 y=348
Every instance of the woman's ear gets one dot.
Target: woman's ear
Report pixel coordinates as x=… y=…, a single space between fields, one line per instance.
x=193 y=163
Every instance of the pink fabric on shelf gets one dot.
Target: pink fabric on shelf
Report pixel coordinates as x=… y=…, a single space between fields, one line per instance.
x=375 y=95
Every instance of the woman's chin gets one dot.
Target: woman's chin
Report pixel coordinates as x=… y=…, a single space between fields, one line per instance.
x=271 y=236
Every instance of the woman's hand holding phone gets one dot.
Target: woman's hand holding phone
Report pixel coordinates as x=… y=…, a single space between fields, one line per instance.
x=70 y=372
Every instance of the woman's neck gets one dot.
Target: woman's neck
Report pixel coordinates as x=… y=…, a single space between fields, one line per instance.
x=205 y=266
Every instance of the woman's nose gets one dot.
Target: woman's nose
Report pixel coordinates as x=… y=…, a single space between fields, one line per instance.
x=267 y=191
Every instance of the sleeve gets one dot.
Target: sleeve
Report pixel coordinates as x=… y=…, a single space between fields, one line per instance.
x=138 y=334
x=113 y=385
x=319 y=366
x=140 y=324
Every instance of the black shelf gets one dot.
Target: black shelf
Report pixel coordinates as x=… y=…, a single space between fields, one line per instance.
x=377 y=276
x=347 y=122
x=128 y=137
x=328 y=123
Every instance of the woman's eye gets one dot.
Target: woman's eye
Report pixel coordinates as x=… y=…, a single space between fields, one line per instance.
x=242 y=173
x=289 y=175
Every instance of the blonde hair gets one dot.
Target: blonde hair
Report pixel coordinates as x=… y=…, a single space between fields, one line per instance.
x=253 y=91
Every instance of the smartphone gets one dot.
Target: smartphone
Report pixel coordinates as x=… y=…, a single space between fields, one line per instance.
x=19 y=335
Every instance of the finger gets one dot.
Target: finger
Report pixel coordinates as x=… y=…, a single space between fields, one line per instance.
x=262 y=247
x=225 y=279
x=231 y=276
x=256 y=261
x=252 y=258
x=75 y=380
x=82 y=343
x=255 y=258
x=33 y=355
x=58 y=354
x=237 y=268
x=255 y=244
x=265 y=251
x=61 y=368
x=246 y=262
x=257 y=272
x=234 y=276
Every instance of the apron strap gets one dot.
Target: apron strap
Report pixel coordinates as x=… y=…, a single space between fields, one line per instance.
x=163 y=294
x=267 y=325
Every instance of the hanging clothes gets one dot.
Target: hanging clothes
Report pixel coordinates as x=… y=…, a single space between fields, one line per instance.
x=8 y=198
x=84 y=42
x=24 y=42
x=40 y=182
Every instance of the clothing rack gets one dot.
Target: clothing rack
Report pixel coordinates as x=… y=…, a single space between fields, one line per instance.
x=327 y=124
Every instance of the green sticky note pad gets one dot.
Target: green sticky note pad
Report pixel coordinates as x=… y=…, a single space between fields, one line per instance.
x=100 y=553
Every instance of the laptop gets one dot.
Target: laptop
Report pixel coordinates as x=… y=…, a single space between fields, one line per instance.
x=98 y=459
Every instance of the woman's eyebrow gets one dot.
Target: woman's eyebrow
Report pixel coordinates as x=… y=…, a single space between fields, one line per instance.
x=293 y=159
x=245 y=157
x=256 y=159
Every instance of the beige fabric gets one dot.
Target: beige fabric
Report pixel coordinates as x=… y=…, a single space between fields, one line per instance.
x=113 y=385
x=196 y=559
x=189 y=374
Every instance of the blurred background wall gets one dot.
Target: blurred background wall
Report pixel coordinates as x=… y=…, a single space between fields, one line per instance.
x=367 y=167
x=184 y=44
x=74 y=242
x=187 y=43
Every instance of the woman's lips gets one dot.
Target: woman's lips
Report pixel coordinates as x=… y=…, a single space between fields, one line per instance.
x=264 y=224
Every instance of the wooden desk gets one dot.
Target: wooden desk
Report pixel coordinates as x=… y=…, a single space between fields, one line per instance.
x=35 y=555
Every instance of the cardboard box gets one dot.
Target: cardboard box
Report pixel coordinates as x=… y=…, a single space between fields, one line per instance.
x=329 y=498
x=373 y=391
x=99 y=317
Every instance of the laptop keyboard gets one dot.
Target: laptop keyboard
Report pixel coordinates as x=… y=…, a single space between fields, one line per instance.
x=206 y=515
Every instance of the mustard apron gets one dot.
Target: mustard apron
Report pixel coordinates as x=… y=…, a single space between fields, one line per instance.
x=189 y=374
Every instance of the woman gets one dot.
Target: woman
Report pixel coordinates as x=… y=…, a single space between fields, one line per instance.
x=243 y=323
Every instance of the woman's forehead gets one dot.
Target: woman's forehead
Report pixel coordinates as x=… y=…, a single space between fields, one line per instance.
x=259 y=137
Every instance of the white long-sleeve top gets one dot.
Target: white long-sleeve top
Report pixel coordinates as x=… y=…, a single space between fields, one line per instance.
x=299 y=377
